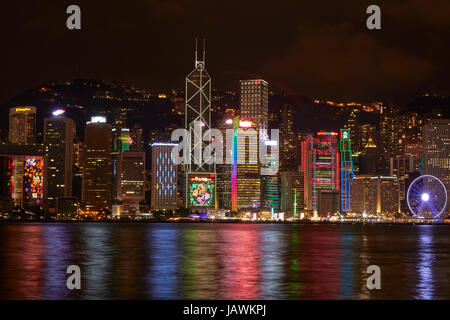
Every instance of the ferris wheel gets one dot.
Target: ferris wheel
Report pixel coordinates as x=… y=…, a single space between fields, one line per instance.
x=427 y=197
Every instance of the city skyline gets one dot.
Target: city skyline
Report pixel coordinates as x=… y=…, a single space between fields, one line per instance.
x=92 y=145
x=201 y=150
x=399 y=136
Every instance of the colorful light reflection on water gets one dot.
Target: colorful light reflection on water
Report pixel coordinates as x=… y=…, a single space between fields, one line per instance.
x=223 y=261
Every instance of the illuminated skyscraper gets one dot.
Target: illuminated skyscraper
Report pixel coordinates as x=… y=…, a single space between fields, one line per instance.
x=288 y=141
x=164 y=177
x=390 y=130
x=128 y=161
x=97 y=168
x=198 y=113
x=248 y=177
x=401 y=166
x=270 y=193
x=321 y=166
x=375 y=194
x=198 y=110
x=224 y=171
x=23 y=176
x=352 y=125
x=369 y=159
x=254 y=101
x=22 y=124
x=254 y=108
x=59 y=133
x=131 y=180
x=366 y=132
x=346 y=169
x=436 y=151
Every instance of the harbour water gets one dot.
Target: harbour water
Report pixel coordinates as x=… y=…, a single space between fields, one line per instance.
x=223 y=261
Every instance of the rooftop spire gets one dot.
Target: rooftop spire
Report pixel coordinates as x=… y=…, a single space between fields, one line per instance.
x=204 y=49
x=370 y=143
x=196 y=59
x=200 y=62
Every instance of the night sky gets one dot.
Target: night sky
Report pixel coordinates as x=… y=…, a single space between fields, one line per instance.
x=315 y=48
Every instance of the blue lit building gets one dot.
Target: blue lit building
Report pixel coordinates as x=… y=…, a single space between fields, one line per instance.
x=164 y=177
x=270 y=194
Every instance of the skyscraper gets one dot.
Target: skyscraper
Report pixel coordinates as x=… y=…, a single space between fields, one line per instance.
x=346 y=169
x=224 y=172
x=128 y=161
x=97 y=168
x=292 y=192
x=369 y=159
x=436 y=151
x=24 y=173
x=375 y=194
x=320 y=162
x=401 y=167
x=254 y=101
x=254 y=108
x=270 y=195
x=59 y=133
x=22 y=124
x=198 y=116
x=131 y=180
x=198 y=111
x=164 y=177
x=390 y=129
x=288 y=143
x=247 y=169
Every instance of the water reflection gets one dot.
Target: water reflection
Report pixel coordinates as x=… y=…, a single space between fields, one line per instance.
x=164 y=255
x=272 y=249
x=222 y=261
x=320 y=256
x=425 y=285
x=58 y=255
x=240 y=259
x=348 y=268
x=97 y=249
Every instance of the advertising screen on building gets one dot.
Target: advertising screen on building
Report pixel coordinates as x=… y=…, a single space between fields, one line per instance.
x=201 y=188
x=33 y=178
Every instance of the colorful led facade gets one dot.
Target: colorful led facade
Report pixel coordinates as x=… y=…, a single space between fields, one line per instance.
x=201 y=190
x=33 y=172
x=346 y=170
x=234 y=187
x=24 y=180
x=321 y=166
